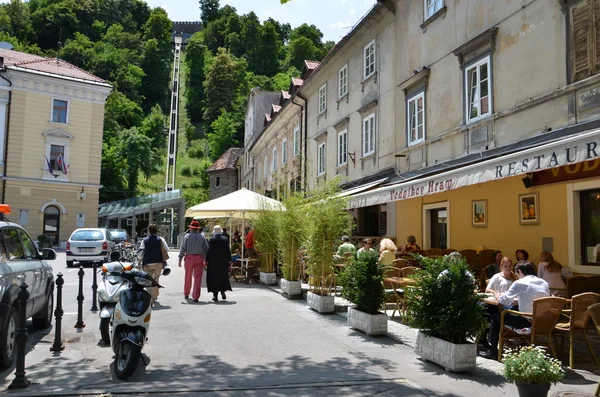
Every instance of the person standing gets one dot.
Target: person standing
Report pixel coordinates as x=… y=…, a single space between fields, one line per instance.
x=225 y=234
x=249 y=243
x=193 y=250
x=152 y=257
x=218 y=260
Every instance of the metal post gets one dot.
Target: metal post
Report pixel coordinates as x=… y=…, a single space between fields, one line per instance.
x=80 y=323
x=95 y=287
x=58 y=346
x=20 y=381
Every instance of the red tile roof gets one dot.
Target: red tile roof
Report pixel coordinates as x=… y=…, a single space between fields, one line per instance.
x=227 y=160
x=297 y=82
x=311 y=65
x=285 y=95
x=52 y=66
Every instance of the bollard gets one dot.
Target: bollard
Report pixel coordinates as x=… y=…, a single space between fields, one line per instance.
x=80 y=323
x=95 y=288
x=20 y=381
x=58 y=346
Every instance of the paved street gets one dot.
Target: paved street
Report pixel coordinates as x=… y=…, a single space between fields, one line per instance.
x=257 y=343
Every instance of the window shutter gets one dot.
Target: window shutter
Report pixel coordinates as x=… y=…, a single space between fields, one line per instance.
x=582 y=39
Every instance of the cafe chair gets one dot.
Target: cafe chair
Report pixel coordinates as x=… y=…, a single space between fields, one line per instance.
x=546 y=312
x=418 y=252
x=448 y=251
x=594 y=311
x=408 y=271
x=471 y=257
x=400 y=263
x=578 y=319
x=251 y=270
x=434 y=252
x=236 y=266
x=485 y=258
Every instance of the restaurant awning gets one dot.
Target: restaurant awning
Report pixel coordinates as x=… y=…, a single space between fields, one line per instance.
x=542 y=152
x=362 y=188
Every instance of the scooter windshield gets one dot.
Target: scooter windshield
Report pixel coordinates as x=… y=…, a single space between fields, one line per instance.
x=134 y=302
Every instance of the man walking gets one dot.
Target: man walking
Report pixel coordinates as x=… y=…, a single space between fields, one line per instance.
x=193 y=249
x=152 y=257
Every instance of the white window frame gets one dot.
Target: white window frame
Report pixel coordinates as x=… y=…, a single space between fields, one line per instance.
x=343 y=81
x=410 y=118
x=368 y=135
x=369 y=60
x=321 y=159
x=60 y=138
x=274 y=160
x=468 y=102
x=297 y=140
x=52 y=111
x=431 y=7
x=322 y=99
x=342 y=148
x=284 y=151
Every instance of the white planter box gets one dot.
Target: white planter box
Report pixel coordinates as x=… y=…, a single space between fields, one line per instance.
x=456 y=358
x=268 y=278
x=291 y=288
x=370 y=324
x=322 y=304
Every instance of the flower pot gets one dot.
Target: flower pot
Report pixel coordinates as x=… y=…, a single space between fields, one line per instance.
x=291 y=288
x=320 y=303
x=453 y=357
x=533 y=389
x=268 y=278
x=370 y=324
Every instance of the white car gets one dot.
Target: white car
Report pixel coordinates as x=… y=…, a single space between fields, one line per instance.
x=88 y=246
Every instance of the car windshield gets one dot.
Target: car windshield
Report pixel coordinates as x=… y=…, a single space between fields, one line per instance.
x=87 y=235
x=118 y=234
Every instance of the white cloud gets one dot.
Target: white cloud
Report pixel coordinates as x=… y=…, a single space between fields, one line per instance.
x=352 y=12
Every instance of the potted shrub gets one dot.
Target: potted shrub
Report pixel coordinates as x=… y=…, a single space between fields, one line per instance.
x=327 y=219
x=44 y=242
x=266 y=226
x=362 y=284
x=444 y=307
x=532 y=370
x=292 y=234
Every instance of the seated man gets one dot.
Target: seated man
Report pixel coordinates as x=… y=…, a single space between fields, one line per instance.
x=527 y=288
x=346 y=246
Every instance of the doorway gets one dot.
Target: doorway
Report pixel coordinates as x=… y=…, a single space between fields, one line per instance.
x=51 y=223
x=436 y=225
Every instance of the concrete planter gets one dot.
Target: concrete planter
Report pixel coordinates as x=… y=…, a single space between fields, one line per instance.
x=455 y=358
x=268 y=278
x=370 y=324
x=322 y=304
x=291 y=288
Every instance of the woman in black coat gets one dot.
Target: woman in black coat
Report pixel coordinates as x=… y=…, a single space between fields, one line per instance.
x=217 y=262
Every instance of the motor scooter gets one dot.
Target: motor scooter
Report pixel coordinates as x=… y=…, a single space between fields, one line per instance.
x=131 y=321
x=109 y=290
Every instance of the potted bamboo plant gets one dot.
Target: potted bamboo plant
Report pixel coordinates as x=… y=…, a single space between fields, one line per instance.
x=292 y=234
x=327 y=219
x=532 y=370
x=445 y=308
x=266 y=225
x=362 y=284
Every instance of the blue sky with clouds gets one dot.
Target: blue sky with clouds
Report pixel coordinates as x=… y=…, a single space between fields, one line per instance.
x=333 y=17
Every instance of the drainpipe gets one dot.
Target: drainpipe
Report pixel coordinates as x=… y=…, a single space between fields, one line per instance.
x=303 y=125
x=6 y=124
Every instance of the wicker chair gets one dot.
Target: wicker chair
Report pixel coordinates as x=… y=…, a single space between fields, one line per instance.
x=448 y=251
x=546 y=312
x=485 y=258
x=408 y=270
x=433 y=252
x=594 y=311
x=418 y=252
x=471 y=257
x=579 y=317
x=400 y=263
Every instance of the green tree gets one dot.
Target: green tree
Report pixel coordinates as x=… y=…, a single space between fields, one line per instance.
x=267 y=53
x=195 y=56
x=56 y=20
x=120 y=112
x=251 y=35
x=111 y=172
x=136 y=148
x=153 y=127
x=222 y=137
x=209 y=11
x=156 y=75
x=301 y=49
x=159 y=27
x=281 y=81
x=20 y=22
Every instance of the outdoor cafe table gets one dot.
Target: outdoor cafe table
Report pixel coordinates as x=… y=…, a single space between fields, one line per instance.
x=244 y=265
x=399 y=281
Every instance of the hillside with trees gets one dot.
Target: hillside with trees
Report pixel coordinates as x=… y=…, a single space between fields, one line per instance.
x=130 y=45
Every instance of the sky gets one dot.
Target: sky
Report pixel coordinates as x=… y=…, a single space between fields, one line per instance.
x=334 y=18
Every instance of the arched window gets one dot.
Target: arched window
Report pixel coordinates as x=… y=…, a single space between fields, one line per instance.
x=52 y=223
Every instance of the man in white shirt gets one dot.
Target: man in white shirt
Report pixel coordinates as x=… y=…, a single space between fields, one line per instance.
x=527 y=288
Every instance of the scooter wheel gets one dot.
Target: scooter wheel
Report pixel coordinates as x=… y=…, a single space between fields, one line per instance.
x=126 y=360
x=105 y=330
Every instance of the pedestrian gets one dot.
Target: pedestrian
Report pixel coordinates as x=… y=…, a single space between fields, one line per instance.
x=218 y=260
x=193 y=250
x=249 y=242
x=154 y=251
x=225 y=234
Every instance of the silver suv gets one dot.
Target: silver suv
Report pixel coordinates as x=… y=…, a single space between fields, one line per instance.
x=89 y=245
x=21 y=261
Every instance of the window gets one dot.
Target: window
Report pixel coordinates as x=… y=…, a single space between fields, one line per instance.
x=30 y=251
x=59 y=111
x=369 y=59
x=297 y=140
x=584 y=39
x=590 y=234
x=14 y=248
x=343 y=81
x=416 y=119
x=478 y=90
x=342 y=155
x=369 y=135
x=284 y=152
x=432 y=6
x=274 y=160
x=218 y=181
x=57 y=155
x=55 y=162
x=321 y=159
x=322 y=98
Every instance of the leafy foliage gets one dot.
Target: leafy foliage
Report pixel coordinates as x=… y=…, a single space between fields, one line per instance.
x=266 y=225
x=531 y=364
x=362 y=282
x=292 y=234
x=442 y=301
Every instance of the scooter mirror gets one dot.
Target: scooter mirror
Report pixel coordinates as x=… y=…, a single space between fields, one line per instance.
x=115 y=256
x=166 y=271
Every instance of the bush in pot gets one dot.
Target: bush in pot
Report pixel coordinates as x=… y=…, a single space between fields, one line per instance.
x=532 y=370
x=44 y=241
x=362 y=281
x=266 y=226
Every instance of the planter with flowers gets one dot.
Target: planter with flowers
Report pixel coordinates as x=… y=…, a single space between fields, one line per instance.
x=532 y=370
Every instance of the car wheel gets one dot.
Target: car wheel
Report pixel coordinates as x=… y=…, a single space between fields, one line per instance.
x=9 y=344
x=46 y=320
x=69 y=263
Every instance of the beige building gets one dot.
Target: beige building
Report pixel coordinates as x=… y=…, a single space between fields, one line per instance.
x=51 y=124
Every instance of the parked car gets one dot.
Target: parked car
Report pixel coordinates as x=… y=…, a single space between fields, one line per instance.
x=88 y=246
x=20 y=261
x=119 y=235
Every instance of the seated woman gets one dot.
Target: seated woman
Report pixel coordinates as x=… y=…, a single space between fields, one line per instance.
x=387 y=250
x=412 y=244
x=501 y=282
x=495 y=265
x=236 y=255
x=551 y=271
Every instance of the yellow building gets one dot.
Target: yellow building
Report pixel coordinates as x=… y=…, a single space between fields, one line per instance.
x=51 y=124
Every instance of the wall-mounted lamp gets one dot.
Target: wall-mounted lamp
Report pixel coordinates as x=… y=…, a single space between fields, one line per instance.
x=82 y=194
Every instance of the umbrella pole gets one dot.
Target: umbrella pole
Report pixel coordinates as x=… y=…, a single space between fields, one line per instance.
x=243 y=229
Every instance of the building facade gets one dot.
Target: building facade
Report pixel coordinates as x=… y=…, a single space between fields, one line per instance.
x=51 y=125
x=224 y=174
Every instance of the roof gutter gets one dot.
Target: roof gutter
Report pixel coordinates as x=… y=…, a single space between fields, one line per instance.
x=6 y=129
x=304 y=136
